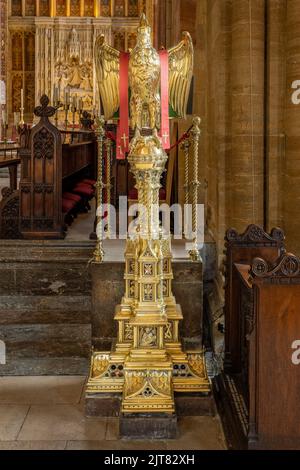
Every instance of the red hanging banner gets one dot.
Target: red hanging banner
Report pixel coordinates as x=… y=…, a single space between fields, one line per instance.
x=123 y=126
x=164 y=93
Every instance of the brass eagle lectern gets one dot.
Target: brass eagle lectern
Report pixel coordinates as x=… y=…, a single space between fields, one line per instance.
x=148 y=364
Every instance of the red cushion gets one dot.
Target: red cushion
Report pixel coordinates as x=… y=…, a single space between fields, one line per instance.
x=88 y=181
x=133 y=194
x=68 y=205
x=86 y=190
x=73 y=197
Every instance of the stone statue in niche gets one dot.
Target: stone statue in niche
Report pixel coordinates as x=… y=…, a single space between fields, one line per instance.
x=85 y=78
x=76 y=73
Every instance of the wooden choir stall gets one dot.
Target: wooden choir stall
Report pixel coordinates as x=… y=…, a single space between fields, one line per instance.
x=259 y=389
x=57 y=180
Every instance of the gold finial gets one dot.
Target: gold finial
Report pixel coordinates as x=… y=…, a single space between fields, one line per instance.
x=143 y=21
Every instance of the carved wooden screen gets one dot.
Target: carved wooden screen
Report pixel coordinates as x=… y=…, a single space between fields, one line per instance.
x=105 y=8
x=119 y=41
x=88 y=7
x=44 y=8
x=30 y=8
x=119 y=8
x=40 y=184
x=133 y=8
x=61 y=8
x=16 y=7
x=17 y=70
x=75 y=7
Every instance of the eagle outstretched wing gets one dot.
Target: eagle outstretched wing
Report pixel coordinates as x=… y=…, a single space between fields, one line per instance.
x=107 y=62
x=181 y=63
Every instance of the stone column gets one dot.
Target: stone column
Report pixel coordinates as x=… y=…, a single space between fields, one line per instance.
x=245 y=167
x=291 y=178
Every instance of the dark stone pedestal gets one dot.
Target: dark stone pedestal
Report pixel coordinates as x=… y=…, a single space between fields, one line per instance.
x=148 y=426
x=104 y=405
x=195 y=404
x=109 y=404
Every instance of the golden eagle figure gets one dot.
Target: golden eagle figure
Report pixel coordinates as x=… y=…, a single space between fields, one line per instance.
x=144 y=77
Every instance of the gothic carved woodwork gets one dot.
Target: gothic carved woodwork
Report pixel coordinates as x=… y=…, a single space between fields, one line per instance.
x=119 y=41
x=9 y=214
x=16 y=7
x=131 y=40
x=133 y=8
x=119 y=8
x=17 y=48
x=75 y=7
x=30 y=7
x=256 y=397
x=40 y=190
x=88 y=7
x=105 y=8
x=44 y=7
x=61 y=7
x=242 y=249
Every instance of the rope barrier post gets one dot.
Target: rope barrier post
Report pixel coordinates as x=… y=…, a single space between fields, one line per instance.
x=195 y=133
x=100 y=132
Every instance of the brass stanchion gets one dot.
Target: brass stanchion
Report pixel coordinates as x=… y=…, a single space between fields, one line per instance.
x=100 y=132
x=108 y=183
x=195 y=133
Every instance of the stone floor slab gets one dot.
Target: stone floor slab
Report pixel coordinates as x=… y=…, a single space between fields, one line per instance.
x=41 y=390
x=11 y=420
x=33 y=445
x=59 y=423
x=198 y=433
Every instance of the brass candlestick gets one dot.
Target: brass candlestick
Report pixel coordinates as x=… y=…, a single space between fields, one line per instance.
x=195 y=132
x=66 y=108
x=100 y=132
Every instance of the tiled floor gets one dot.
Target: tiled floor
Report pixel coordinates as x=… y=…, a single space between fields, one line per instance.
x=48 y=413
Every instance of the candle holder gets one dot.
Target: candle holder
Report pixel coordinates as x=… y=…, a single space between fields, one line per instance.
x=66 y=109
x=73 y=111
x=22 y=122
x=57 y=105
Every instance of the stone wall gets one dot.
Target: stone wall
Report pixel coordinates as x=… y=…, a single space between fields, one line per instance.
x=55 y=305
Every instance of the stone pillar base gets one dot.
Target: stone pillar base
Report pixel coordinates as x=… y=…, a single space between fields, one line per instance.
x=148 y=426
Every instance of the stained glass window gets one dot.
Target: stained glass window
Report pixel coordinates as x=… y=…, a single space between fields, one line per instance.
x=16 y=7
x=75 y=7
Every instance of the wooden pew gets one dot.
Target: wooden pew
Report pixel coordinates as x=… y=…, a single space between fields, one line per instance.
x=51 y=163
x=243 y=248
x=257 y=394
